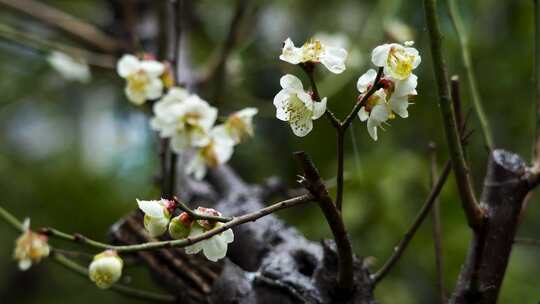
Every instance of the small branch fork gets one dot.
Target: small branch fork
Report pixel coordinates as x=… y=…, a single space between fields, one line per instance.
x=68 y=263
x=312 y=181
x=196 y=216
x=340 y=126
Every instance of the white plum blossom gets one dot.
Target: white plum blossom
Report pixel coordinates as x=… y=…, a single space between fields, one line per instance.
x=333 y=58
x=214 y=248
x=375 y=112
x=341 y=40
x=239 y=125
x=143 y=78
x=185 y=118
x=296 y=106
x=30 y=247
x=398 y=60
x=70 y=68
x=105 y=269
x=157 y=214
x=217 y=151
x=391 y=99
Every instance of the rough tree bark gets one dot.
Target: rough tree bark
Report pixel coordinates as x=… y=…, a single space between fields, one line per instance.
x=506 y=185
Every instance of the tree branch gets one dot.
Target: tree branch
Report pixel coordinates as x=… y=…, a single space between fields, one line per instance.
x=400 y=248
x=196 y=216
x=349 y=119
x=131 y=292
x=71 y=265
x=83 y=31
x=314 y=184
x=39 y=43
x=473 y=212
x=250 y=217
x=467 y=62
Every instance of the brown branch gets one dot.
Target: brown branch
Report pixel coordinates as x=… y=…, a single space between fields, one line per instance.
x=250 y=217
x=79 y=29
x=469 y=202
x=349 y=119
x=39 y=43
x=196 y=216
x=455 y=92
x=340 y=126
x=314 y=184
x=407 y=237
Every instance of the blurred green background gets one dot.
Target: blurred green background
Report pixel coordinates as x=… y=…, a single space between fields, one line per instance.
x=75 y=156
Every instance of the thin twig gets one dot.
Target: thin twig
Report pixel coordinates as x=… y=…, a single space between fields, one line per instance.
x=455 y=93
x=407 y=237
x=82 y=30
x=349 y=119
x=197 y=216
x=249 y=217
x=340 y=126
x=121 y=289
x=71 y=265
x=41 y=44
x=473 y=212
x=309 y=69
x=314 y=184
x=437 y=229
x=467 y=62
x=340 y=159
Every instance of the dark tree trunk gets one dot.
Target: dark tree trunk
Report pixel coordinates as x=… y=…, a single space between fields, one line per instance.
x=505 y=186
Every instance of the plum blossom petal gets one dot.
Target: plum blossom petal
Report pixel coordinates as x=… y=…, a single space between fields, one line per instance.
x=296 y=106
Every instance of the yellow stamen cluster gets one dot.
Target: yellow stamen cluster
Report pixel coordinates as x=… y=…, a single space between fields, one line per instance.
x=400 y=62
x=312 y=49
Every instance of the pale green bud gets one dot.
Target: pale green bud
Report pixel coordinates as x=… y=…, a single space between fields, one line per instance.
x=106 y=269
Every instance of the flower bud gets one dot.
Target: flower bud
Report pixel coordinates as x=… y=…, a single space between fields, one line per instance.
x=106 y=269
x=156 y=215
x=155 y=226
x=207 y=224
x=180 y=226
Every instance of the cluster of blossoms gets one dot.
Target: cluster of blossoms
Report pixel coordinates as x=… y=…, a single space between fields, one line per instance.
x=398 y=85
x=158 y=218
x=295 y=105
x=30 y=247
x=185 y=118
